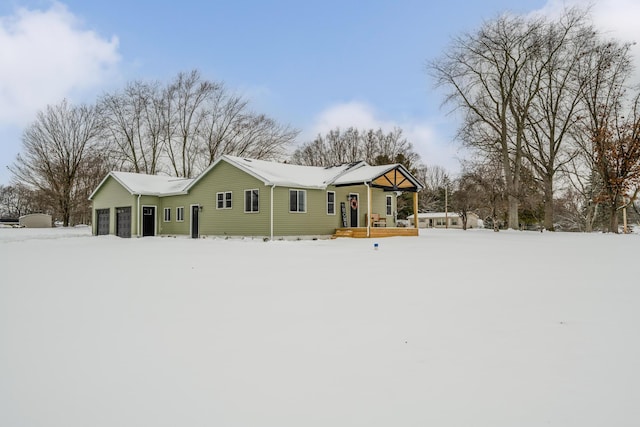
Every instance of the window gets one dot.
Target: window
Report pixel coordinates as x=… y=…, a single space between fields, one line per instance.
x=454 y=221
x=251 y=200
x=180 y=213
x=297 y=201
x=167 y=214
x=440 y=221
x=223 y=200
x=389 y=206
x=331 y=202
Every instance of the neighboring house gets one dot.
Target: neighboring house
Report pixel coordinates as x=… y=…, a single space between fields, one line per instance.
x=36 y=220
x=443 y=220
x=245 y=197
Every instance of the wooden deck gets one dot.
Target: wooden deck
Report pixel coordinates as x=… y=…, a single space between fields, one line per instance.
x=375 y=232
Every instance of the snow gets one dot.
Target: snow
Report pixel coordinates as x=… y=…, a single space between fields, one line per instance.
x=451 y=328
x=284 y=174
x=435 y=215
x=140 y=183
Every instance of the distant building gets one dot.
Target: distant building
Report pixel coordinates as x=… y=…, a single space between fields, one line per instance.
x=443 y=220
x=37 y=220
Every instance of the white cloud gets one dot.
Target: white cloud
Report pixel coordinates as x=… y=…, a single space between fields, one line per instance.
x=425 y=137
x=351 y=114
x=616 y=19
x=47 y=55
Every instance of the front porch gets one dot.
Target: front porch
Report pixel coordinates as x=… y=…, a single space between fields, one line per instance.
x=375 y=232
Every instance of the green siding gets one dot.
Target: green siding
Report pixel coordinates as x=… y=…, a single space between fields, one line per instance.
x=315 y=221
x=235 y=221
x=175 y=227
x=112 y=195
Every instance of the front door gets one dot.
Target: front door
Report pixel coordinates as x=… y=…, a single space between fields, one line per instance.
x=195 y=229
x=353 y=208
x=148 y=221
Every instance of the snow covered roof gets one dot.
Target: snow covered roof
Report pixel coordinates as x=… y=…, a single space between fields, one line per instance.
x=284 y=174
x=362 y=174
x=390 y=177
x=435 y=215
x=150 y=185
x=274 y=173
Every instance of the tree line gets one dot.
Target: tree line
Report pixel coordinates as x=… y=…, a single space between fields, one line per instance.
x=176 y=128
x=549 y=111
x=547 y=107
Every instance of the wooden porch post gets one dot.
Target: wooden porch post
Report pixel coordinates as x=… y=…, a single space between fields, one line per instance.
x=368 y=210
x=415 y=209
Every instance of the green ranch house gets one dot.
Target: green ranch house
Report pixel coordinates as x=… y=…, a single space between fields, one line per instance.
x=246 y=197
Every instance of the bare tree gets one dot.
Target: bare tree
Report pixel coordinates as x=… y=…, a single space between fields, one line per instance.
x=435 y=178
x=223 y=118
x=54 y=149
x=491 y=198
x=17 y=200
x=183 y=121
x=552 y=114
x=255 y=136
x=351 y=145
x=603 y=100
x=492 y=80
x=132 y=120
x=466 y=196
x=617 y=158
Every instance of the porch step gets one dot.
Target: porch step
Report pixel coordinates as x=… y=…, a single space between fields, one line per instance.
x=374 y=232
x=342 y=232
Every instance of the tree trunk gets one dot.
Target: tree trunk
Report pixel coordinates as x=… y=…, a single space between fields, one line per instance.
x=548 y=204
x=513 y=212
x=613 y=220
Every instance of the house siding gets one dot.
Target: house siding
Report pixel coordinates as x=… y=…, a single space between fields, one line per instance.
x=232 y=222
x=174 y=227
x=315 y=221
x=112 y=195
x=225 y=177
x=378 y=203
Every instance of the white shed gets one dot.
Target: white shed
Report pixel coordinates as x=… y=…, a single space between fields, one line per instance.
x=37 y=220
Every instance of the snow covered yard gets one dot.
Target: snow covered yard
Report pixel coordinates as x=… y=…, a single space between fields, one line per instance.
x=449 y=329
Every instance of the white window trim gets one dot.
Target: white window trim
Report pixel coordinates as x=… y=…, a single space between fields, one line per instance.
x=230 y=193
x=251 y=190
x=305 y=201
x=334 y=203
x=389 y=205
x=178 y=216
x=167 y=211
x=224 y=199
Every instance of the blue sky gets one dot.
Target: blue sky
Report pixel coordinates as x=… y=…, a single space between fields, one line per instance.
x=312 y=65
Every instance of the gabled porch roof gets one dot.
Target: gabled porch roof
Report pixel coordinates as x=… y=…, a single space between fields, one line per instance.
x=388 y=177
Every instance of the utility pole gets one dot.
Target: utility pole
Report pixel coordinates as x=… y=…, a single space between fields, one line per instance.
x=446 y=208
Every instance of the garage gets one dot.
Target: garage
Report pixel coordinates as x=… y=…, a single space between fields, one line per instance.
x=102 y=222
x=123 y=222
